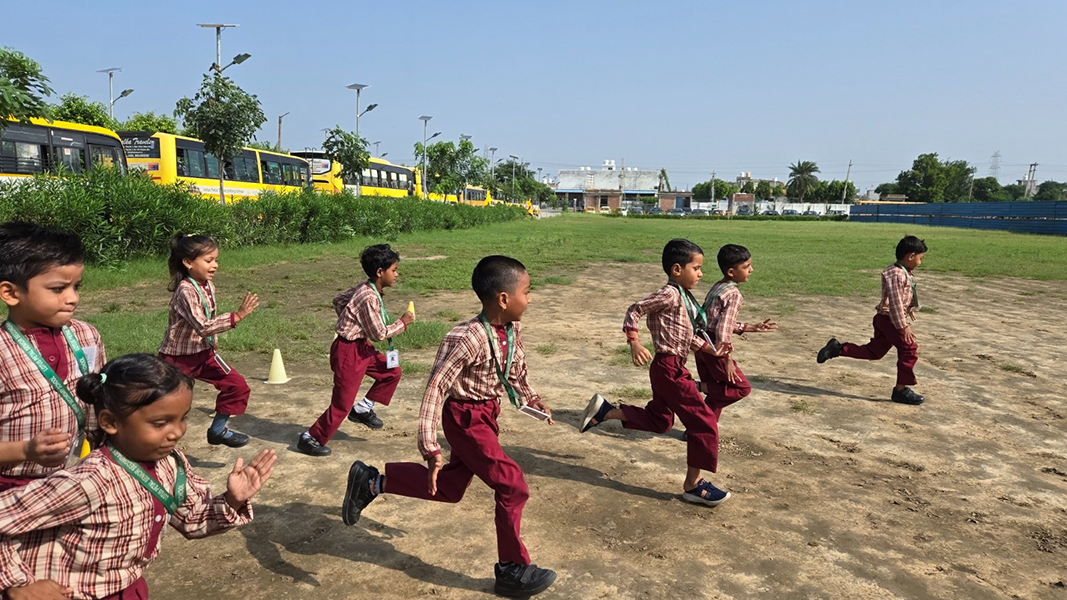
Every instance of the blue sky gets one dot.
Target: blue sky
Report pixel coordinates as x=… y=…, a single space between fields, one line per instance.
x=692 y=87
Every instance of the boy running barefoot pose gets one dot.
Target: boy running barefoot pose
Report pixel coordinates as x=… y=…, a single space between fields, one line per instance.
x=675 y=319
x=478 y=362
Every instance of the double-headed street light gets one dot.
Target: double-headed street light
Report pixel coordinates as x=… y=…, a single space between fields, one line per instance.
x=514 y=160
x=111 y=99
x=218 y=27
x=375 y=147
x=425 y=119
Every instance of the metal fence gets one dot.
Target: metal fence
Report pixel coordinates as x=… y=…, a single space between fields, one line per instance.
x=1023 y=217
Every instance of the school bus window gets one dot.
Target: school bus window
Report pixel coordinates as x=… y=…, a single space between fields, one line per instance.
x=212 y=171
x=20 y=157
x=287 y=174
x=104 y=156
x=70 y=159
x=305 y=176
x=272 y=172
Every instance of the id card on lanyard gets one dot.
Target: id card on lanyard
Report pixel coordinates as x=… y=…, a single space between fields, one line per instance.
x=911 y=281
x=209 y=312
x=697 y=317
x=502 y=371
x=57 y=384
x=170 y=501
x=392 y=357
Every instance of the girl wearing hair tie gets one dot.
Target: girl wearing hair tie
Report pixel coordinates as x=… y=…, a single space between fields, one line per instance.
x=92 y=530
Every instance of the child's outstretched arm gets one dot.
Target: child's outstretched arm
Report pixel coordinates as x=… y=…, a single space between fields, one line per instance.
x=202 y=514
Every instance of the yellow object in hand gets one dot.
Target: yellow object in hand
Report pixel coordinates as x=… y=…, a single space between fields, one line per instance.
x=86 y=449
x=411 y=307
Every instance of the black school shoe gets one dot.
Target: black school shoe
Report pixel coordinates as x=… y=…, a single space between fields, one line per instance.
x=595 y=411
x=228 y=437
x=310 y=446
x=832 y=349
x=907 y=396
x=521 y=581
x=368 y=418
x=357 y=494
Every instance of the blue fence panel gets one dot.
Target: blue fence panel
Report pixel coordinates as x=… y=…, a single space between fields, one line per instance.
x=1049 y=218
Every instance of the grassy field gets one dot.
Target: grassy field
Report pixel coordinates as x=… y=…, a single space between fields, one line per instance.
x=790 y=258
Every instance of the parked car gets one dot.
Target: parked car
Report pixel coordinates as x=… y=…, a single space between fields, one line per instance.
x=717 y=212
x=837 y=213
x=655 y=210
x=810 y=213
x=771 y=213
x=743 y=211
x=605 y=210
x=699 y=212
x=677 y=211
x=789 y=213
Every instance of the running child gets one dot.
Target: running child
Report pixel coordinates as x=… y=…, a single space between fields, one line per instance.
x=722 y=382
x=91 y=531
x=676 y=321
x=191 y=341
x=43 y=352
x=361 y=319
x=899 y=304
x=479 y=361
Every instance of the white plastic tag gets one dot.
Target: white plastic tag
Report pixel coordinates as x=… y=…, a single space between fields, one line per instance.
x=392 y=359
x=533 y=412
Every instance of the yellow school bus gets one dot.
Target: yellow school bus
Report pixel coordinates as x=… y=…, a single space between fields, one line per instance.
x=39 y=146
x=170 y=158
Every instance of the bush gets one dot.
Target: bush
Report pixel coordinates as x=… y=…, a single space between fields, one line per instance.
x=123 y=216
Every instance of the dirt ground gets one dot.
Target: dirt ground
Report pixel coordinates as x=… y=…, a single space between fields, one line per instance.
x=837 y=493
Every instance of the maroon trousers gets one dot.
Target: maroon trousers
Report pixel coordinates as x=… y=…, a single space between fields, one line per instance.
x=471 y=430
x=205 y=366
x=721 y=391
x=350 y=361
x=675 y=393
x=885 y=337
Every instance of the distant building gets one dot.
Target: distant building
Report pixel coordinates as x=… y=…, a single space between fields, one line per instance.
x=746 y=177
x=608 y=187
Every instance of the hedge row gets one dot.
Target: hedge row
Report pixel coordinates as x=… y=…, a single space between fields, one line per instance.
x=124 y=216
x=739 y=217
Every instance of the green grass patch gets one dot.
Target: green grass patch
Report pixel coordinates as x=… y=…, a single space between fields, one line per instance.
x=547 y=349
x=631 y=392
x=420 y=334
x=1017 y=369
x=449 y=315
x=801 y=406
x=927 y=309
x=621 y=356
x=556 y=280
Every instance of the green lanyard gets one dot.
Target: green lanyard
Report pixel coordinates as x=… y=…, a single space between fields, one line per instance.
x=697 y=317
x=38 y=361
x=208 y=310
x=911 y=281
x=711 y=297
x=381 y=304
x=170 y=502
x=502 y=373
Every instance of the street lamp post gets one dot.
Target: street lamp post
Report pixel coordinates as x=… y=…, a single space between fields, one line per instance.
x=376 y=148
x=359 y=88
x=280 y=117
x=514 y=160
x=425 y=119
x=492 y=166
x=218 y=27
x=111 y=99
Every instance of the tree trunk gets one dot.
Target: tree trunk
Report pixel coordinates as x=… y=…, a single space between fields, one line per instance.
x=222 y=193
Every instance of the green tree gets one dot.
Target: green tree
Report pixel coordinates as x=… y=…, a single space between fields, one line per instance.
x=80 y=109
x=748 y=188
x=1051 y=190
x=801 y=178
x=452 y=167
x=764 y=190
x=888 y=188
x=723 y=189
x=931 y=180
x=23 y=87
x=779 y=190
x=987 y=189
x=150 y=121
x=223 y=116
x=511 y=178
x=1014 y=192
x=349 y=150
x=262 y=145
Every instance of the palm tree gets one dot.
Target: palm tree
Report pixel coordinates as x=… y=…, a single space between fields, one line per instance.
x=801 y=177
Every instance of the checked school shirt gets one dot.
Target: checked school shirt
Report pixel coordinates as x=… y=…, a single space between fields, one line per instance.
x=28 y=403
x=93 y=527
x=672 y=331
x=188 y=326
x=464 y=369
x=896 y=295
x=722 y=311
x=359 y=315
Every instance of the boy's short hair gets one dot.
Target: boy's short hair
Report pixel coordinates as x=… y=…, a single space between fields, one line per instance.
x=732 y=255
x=27 y=250
x=910 y=244
x=378 y=256
x=679 y=251
x=496 y=274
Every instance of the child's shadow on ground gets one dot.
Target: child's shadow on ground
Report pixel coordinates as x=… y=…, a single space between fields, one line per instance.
x=266 y=430
x=785 y=385
x=543 y=464
x=307 y=530
x=612 y=429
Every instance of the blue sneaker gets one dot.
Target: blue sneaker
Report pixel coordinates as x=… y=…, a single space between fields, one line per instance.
x=595 y=411
x=705 y=493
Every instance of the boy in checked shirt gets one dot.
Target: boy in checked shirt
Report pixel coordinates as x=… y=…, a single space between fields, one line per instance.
x=676 y=321
x=43 y=352
x=479 y=362
x=899 y=304
x=361 y=319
